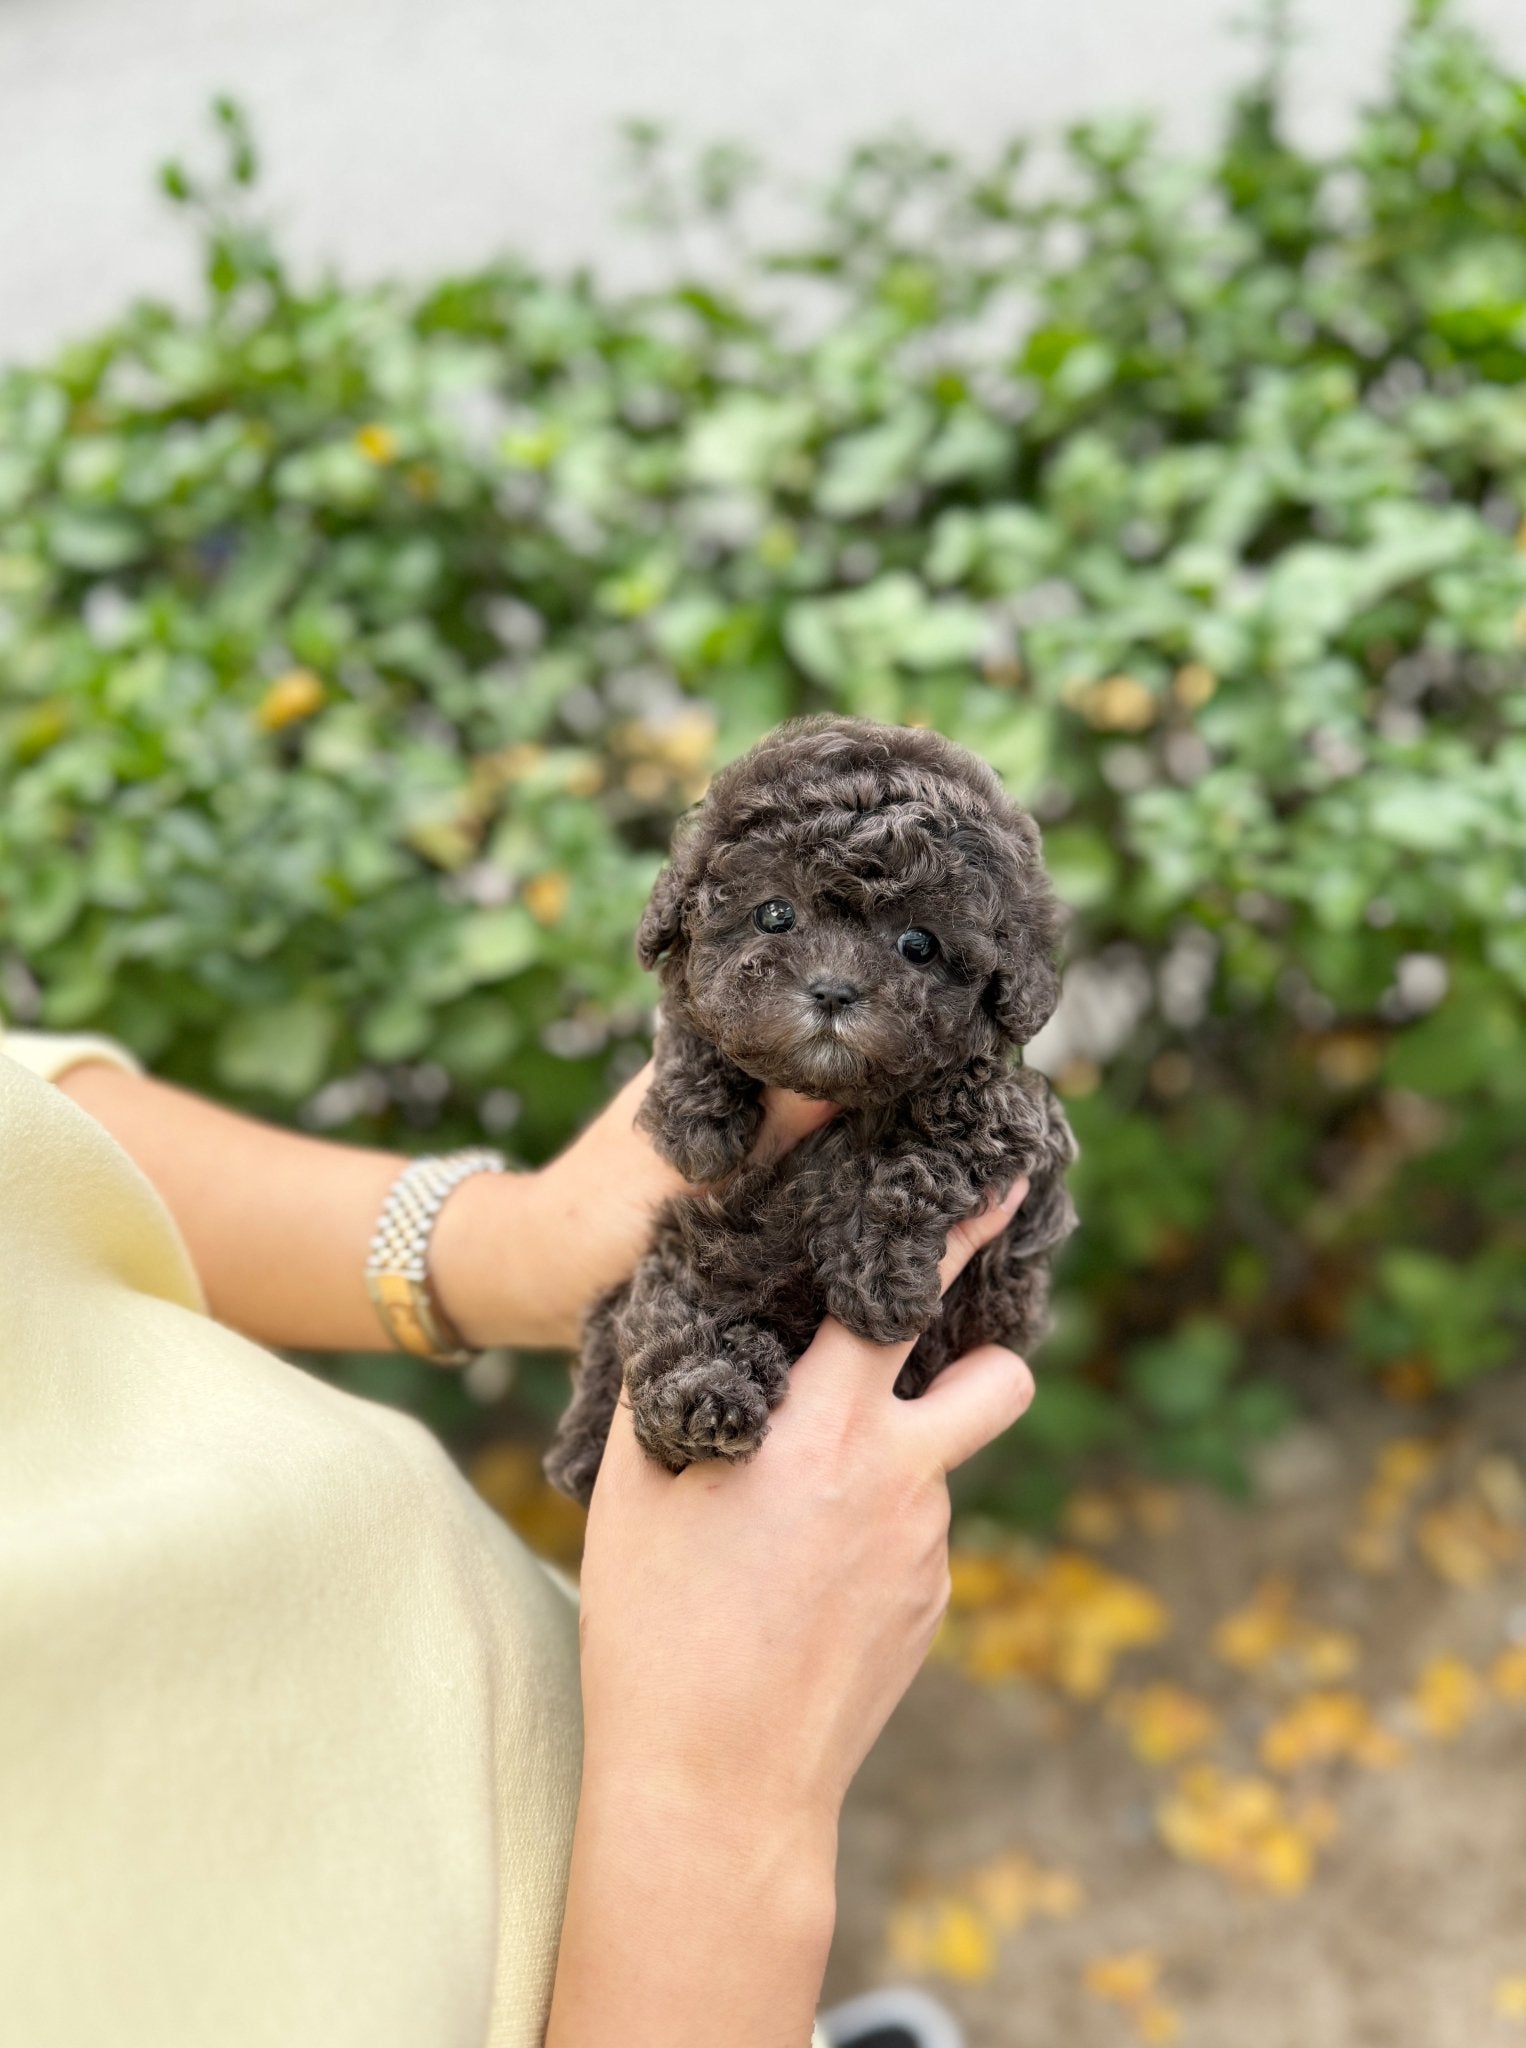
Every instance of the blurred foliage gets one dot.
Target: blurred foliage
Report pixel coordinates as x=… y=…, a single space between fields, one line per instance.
x=360 y=645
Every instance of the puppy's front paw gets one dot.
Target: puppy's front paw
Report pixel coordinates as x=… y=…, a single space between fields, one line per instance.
x=701 y=1411
x=884 y=1306
x=708 y=1149
x=572 y=1465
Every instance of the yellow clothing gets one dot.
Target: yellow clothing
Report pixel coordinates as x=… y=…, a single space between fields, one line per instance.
x=289 y=1732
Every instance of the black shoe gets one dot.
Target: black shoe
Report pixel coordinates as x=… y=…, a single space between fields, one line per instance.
x=891 y=2019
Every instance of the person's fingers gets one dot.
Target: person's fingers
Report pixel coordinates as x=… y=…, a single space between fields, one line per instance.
x=964 y=1240
x=787 y=1118
x=970 y=1403
x=625 y=1468
x=975 y=1232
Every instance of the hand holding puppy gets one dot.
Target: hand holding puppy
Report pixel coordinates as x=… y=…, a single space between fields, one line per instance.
x=747 y=1629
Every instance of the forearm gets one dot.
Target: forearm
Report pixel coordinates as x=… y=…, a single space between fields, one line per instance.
x=278 y=1224
x=690 y=1922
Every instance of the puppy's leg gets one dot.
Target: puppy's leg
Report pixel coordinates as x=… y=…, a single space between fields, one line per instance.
x=1002 y=1296
x=577 y=1449
x=701 y=1111
x=877 y=1250
x=700 y=1386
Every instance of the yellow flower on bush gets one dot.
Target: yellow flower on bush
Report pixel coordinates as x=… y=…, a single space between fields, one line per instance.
x=1120 y=703
x=545 y=896
x=376 y=443
x=1193 y=684
x=290 y=698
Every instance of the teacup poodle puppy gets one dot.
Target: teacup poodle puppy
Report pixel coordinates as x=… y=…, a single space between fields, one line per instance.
x=857 y=912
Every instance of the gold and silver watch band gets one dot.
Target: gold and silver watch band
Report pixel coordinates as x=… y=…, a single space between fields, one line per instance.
x=397 y=1268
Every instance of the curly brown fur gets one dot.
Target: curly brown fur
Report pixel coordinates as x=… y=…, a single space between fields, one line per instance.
x=866 y=832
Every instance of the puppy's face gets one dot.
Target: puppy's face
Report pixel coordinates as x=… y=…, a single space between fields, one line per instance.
x=853 y=911
x=835 y=986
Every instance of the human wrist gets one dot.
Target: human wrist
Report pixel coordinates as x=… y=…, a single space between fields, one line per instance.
x=742 y=1840
x=478 y=1260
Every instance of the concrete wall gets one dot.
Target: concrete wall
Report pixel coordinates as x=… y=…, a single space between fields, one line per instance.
x=410 y=135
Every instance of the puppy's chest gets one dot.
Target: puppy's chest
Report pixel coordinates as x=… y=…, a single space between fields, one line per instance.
x=759 y=1245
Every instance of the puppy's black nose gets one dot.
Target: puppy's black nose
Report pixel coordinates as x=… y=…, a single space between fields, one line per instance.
x=833 y=995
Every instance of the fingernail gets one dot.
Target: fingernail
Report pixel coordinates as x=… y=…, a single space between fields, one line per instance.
x=1013 y=1198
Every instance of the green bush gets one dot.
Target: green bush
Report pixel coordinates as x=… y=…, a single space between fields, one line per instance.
x=360 y=646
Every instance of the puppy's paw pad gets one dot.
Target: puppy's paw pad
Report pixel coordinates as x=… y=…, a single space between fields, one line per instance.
x=705 y=1412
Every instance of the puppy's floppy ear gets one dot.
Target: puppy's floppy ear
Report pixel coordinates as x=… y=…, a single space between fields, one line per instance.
x=662 y=922
x=1023 y=991
x=1025 y=986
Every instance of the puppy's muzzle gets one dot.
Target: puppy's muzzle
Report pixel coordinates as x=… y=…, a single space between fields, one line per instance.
x=831 y=996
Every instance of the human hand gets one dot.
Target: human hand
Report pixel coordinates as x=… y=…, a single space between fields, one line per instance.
x=747 y=1629
x=518 y=1258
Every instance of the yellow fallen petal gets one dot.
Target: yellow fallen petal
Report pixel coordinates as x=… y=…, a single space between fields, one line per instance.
x=1165 y=1723
x=1059 y=1895
x=961 y=1944
x=1126 y=1979
x=1005 y=1890
x=976 y=1580
x=1510 y=1998
x=1319 y=1821
x=1405 y=1461
x=1284 y=1861
x=1448 y=1696
x=1157 y=1509
x=1507 y=1674
x=1253 y=1634
x=1458 y=1541
x=1327 y=1653
x=1158 y=2024
x=908 y=1937
x=1092 y=1517
x=1379 y=1749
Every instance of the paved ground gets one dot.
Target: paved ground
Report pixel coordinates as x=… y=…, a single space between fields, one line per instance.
x=1366 y=1888
x=414 y=134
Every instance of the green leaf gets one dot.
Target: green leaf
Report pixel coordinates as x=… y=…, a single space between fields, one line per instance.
x=1184 y=1377
x=491 y=945
x=281 y=1050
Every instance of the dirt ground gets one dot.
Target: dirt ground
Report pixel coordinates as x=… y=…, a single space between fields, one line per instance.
x=1003 y=1845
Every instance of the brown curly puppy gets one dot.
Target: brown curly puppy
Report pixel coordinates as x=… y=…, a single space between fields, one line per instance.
x=857 y=912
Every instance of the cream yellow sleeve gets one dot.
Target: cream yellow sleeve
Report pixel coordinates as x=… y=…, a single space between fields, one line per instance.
x=50 y=1054
x=289 y=1731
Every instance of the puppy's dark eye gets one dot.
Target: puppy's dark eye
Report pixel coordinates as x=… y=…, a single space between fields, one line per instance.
x=917 y=946
x=774 y=916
